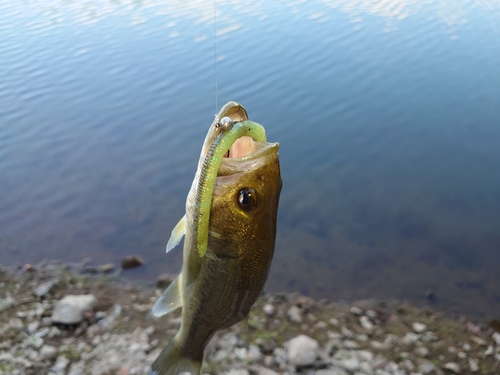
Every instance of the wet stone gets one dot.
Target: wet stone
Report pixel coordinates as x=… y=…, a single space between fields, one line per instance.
x=107 y=268
x=163 y=280
x=131 y=261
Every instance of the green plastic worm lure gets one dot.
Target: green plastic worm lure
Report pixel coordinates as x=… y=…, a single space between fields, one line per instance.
x=229 y=133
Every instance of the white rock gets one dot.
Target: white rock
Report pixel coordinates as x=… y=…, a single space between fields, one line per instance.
x=302 y=350
x=77 y=369
x=426 y=367
x=42 y=289
x=263 y=371
x=489 y=351
x=253 y=353
x=466 y=346
x=61 y=364
x=239 y=371
x=294 y=314
x=350 y=364
x=268 y=309
x=452 y=366
x=462 y=355
x=33 y=326
x=346 y=332
x=479 y=341
x=366 y=323
x=362 y=337
x=473 y=366
x=16 y=324
x=48 y=352
x=70 y=309
x=411 y=338
x=356 y=311
x=334 y=322
x=422 y=351
x=377 y=345
x=419 y=327
x=496 y=338
x=365 y=368
x=6 y=303
x=330 y=372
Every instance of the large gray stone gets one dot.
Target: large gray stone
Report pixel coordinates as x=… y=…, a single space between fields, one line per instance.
x=302 y=350
x=70 y=309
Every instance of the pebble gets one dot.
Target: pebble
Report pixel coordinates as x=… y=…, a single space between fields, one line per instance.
x=419 y=327
x=452 y=366
x=334 y=322
x=269 y=310
x=48 y=352
x=426 y=367
x=302 y=350
x=411 y=338
x=496 y=338
x=6 y=303
x=241 y=371
x=259 y=370
x=107 y=268
x=131 y=261
x=294 y=315
x=473 y=366
x=43 y=289
x=16 y=324
x=366 y=323
x=61 y=365
x=422 y=351
x=70 y=309
x=356 y=311
x=163 y=280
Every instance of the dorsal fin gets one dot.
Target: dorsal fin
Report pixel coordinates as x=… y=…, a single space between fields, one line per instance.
x=177 y=233
x=171 y=298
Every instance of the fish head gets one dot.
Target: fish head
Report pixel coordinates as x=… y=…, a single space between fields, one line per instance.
x=245 y=200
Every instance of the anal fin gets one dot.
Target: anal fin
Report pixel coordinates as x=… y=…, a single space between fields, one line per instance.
x=171 y=298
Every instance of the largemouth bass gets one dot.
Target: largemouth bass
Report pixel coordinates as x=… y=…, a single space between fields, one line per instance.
x=230 y=230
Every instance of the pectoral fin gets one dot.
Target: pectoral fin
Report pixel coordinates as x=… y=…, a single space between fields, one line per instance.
x=177 y=234
x=171 y=298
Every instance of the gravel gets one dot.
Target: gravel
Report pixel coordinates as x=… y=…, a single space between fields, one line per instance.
x=111 y=331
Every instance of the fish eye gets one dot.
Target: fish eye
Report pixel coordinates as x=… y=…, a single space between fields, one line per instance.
x=247 y=199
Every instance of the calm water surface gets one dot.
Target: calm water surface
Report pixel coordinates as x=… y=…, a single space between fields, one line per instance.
x=388 y=115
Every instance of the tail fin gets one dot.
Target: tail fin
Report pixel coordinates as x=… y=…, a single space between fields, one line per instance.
x=171 y=361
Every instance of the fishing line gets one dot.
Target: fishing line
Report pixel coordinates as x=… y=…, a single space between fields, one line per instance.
x=215 y=55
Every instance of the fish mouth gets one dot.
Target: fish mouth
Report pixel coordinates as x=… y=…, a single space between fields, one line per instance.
x=246 y=154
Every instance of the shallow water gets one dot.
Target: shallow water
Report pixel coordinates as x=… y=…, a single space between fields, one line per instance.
x=387 y=113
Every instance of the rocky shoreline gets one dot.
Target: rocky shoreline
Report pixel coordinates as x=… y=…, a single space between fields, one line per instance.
x=76 y=319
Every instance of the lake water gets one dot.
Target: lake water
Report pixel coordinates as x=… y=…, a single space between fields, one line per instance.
x=387 y=112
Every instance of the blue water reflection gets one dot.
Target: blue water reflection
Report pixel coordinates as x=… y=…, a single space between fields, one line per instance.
x=387 y=113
